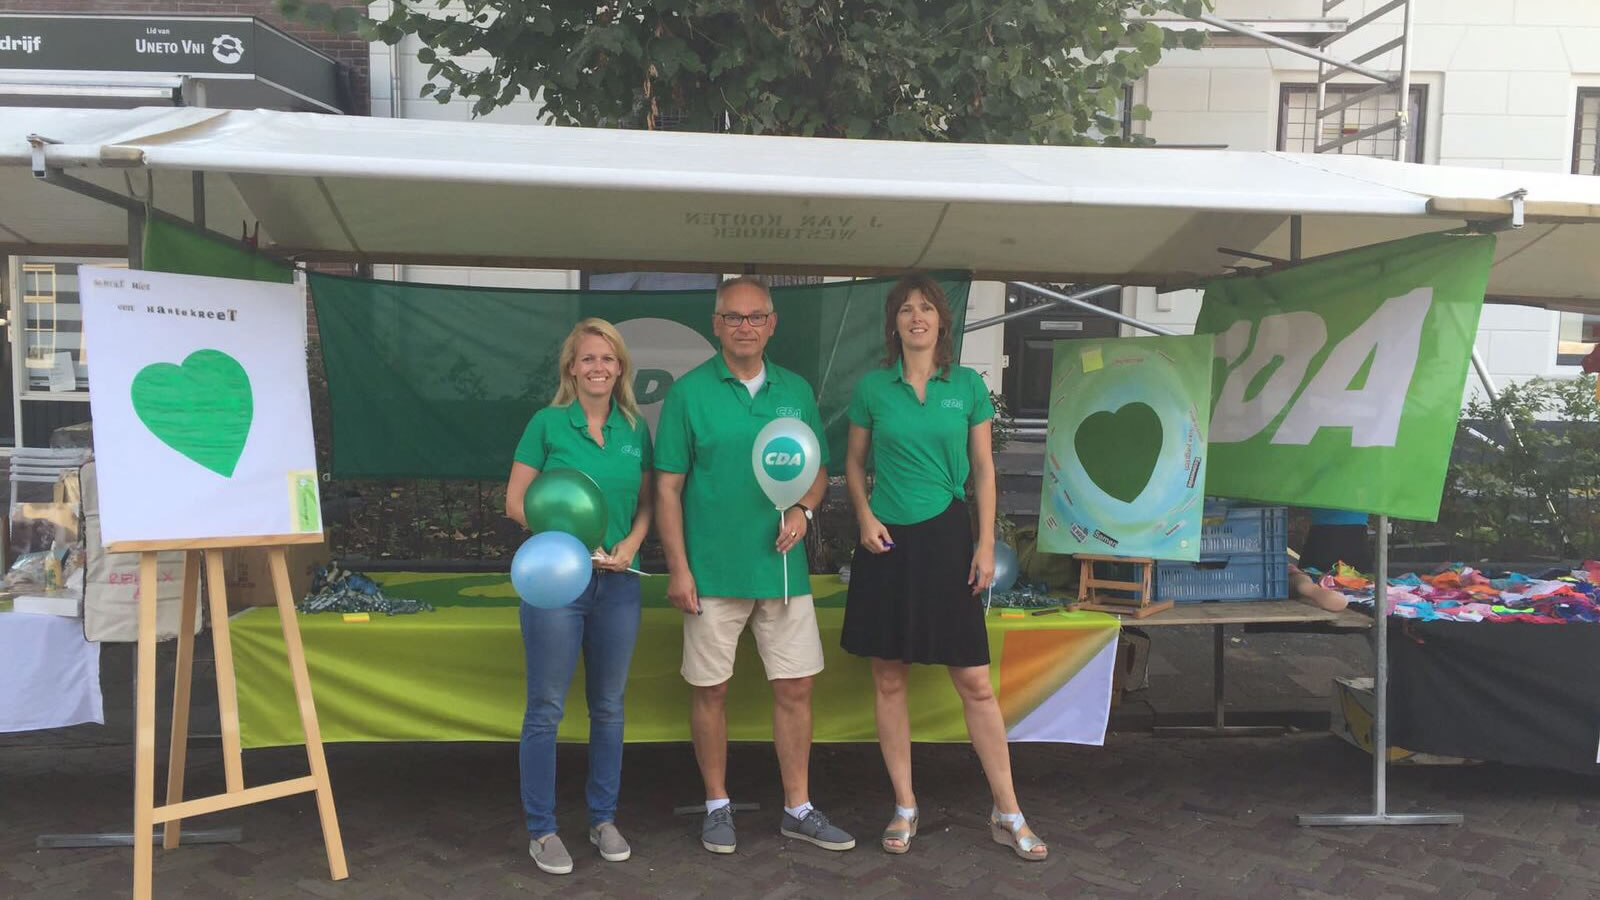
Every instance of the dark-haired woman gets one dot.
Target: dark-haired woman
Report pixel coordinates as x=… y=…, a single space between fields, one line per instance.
x=915 y=580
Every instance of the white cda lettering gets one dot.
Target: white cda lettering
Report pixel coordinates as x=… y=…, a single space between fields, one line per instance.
x=778 y=458
x=1392 y=338
x=1294 y=338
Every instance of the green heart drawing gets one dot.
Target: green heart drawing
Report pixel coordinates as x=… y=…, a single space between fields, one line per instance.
x=1119 y=450
x=201 y=409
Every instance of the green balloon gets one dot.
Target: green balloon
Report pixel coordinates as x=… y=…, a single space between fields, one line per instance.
x=566 y=500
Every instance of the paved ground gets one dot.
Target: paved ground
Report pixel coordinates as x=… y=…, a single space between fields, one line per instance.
x=1141 y=817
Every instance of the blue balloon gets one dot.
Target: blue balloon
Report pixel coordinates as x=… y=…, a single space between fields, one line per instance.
x=1006 y=567
x=551 y=569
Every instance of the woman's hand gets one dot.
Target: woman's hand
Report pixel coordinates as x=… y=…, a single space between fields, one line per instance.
x=620 y=557
x=981 y=574
x=874 y=536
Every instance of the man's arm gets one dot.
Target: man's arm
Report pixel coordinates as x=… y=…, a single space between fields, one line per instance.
x=681 y=590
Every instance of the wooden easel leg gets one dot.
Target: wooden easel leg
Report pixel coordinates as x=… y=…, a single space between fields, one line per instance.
x=227 y=696
x=144 y=754
x=331 y=839
x=177 y=751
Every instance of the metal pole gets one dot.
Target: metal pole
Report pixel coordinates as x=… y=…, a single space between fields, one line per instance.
x=1380 y=814
x=1380 y=681
x=1487 y=380
x=1292 y=47
x=1076 y=300
x=1403 y=102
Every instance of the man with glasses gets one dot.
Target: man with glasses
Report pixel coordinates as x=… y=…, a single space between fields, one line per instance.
x=716 y=527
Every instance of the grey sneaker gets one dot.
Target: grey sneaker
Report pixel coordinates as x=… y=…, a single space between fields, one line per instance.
x=608 y=840
x=716 y=832
x=816 y=828
x=550 y=855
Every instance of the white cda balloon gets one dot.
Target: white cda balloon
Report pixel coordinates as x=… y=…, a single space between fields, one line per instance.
x=786 y=457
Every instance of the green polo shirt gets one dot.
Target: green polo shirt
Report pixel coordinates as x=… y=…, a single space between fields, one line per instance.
x=557 y=437
x=919 y=448
x=707 y=432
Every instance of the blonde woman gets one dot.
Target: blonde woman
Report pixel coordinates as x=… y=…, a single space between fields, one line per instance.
x=592 y=425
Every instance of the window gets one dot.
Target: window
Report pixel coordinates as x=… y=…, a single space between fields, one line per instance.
x=1585 y=125
x=1578 y=332
x=1297 y=120
x=48 y=326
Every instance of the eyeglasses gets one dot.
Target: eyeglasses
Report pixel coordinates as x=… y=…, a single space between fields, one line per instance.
x=734 y=320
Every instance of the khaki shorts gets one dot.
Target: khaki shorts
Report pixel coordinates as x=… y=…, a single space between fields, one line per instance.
x=786 y=638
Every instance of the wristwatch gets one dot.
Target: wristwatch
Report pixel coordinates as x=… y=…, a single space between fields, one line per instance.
x=803 y=508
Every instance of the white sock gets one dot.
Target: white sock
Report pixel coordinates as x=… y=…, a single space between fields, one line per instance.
x=799 y=812
x=905 y=812
x=714 y=805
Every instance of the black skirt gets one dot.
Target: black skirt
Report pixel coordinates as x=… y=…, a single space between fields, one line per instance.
x=913 y=603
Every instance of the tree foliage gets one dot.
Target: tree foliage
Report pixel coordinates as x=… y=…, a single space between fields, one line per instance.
x=1002 y=71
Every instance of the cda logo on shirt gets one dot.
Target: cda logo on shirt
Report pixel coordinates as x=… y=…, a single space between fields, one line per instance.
x=783 y=458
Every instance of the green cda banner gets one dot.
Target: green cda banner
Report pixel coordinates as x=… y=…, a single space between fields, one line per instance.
x=1338 y=383
x=438 y=381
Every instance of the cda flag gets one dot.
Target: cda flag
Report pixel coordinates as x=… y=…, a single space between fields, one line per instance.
x=1338 y=383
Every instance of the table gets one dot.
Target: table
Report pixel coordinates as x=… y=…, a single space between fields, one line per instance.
x=456 y=674
x=51 y=675
x=1506 y=692
x=1246 y=612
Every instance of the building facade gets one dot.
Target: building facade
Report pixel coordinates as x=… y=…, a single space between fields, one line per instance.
x=1505 y=84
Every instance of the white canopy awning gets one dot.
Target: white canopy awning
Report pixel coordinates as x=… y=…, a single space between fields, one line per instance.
x=415 y=191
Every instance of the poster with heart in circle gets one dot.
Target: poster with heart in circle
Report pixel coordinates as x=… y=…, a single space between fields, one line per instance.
x=201 y=410
x=1125 y=451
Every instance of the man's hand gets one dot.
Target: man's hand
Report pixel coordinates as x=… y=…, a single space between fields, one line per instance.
x=793 y=528
x=681 y=592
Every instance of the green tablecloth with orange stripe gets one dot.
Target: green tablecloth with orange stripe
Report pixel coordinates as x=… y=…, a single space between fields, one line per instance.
x=456 y=674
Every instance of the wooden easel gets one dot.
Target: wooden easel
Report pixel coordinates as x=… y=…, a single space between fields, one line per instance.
x=1091 y=588
x=145 y=812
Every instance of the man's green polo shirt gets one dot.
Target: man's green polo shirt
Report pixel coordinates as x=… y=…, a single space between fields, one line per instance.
x=557 y=437
x=919 y=448
x=707 y=431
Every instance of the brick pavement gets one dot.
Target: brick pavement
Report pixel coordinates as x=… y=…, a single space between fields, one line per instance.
x=1142 y=817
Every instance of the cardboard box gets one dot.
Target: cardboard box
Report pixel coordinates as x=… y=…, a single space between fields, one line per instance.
x=249 y=580
x=1354 y=707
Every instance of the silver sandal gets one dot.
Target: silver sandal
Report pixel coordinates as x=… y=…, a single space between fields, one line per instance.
x=903 y=835
x=1011 y=835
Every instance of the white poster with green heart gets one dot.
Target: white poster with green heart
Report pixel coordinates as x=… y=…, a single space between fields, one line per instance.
x=1125 y=449
x=1338 y=382
x=201 y=410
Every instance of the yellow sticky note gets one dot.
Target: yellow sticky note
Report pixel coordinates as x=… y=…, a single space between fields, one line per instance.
x=358 y=617
x=1009 y=614
x=1092 y=360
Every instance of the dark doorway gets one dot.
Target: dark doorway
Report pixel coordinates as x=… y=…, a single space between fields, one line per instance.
x=1030 y=344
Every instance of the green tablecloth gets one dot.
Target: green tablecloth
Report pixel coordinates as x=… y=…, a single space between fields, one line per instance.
x=456 y=674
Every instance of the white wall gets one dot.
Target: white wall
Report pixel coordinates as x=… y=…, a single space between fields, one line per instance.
x=1502 y=79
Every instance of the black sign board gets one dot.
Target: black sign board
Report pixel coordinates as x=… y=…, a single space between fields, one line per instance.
x=209 y=47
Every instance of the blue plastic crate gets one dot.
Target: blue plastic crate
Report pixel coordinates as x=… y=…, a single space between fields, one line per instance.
x=1245 y=529
x=1241 y=576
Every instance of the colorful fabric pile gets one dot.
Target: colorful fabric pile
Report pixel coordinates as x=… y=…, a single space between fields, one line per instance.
x=1463 y=594
x=336 y=589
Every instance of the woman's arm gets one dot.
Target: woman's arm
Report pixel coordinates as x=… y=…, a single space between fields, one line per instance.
x=980 y=456
x=621 y=556
x=874 y=536
x=522 y=475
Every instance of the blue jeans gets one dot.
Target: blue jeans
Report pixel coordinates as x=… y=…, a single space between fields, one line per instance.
x=604 y=622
